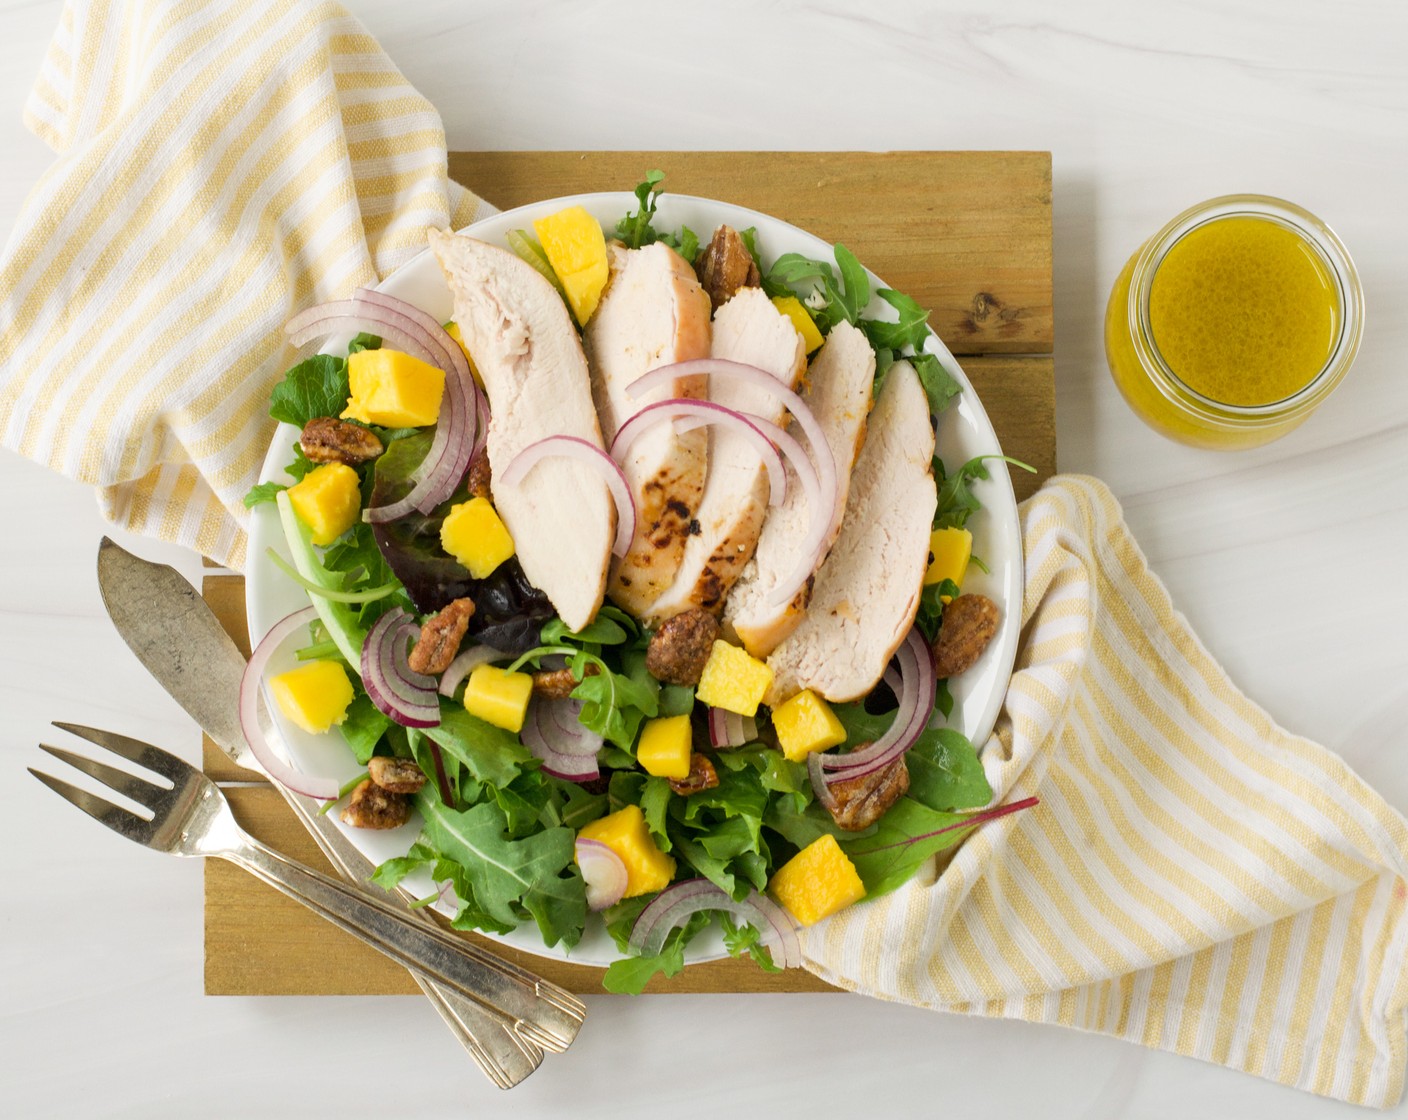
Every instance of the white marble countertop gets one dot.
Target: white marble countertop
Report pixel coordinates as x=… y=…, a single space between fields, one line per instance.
x=1288 y=560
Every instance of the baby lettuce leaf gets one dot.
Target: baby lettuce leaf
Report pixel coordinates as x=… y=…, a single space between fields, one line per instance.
x=363 y=727
x=944 y=771
x=316 y=386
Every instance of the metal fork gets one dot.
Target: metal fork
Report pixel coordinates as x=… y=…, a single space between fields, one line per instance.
x=191 y=817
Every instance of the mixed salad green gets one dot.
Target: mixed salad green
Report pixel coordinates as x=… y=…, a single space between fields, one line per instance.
x=496 y=826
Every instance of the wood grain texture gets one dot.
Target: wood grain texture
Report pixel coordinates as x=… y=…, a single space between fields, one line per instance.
x=990 y=233
x=967 y=234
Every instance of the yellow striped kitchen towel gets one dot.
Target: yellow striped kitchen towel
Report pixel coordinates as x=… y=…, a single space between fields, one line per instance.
x=221 y=164
x=1194 y=878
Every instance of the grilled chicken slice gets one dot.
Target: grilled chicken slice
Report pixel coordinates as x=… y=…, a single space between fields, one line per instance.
x=747 y=329
x=561 y=515
x=838 y=394
x=866 y=594
x=652 y=313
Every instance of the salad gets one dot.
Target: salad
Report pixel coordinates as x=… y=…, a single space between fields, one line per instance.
x=624 y=762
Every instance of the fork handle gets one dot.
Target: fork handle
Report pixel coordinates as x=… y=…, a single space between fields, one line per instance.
x=552 y=1019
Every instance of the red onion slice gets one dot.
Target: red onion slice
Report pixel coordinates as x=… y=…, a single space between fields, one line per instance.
x=583 y=451
x=465 y=663
x=603 y=872
x=564 y=752
x=676 y=903
x=392 y=685
x=323 y=789
x=711 y=413
x=729 y=729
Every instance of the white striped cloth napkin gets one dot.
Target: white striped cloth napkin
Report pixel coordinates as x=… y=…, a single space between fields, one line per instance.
x=1195 y=878
x=220 y=165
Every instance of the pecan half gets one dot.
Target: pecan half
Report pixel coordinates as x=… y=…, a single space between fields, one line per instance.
x=370 y=806
x=325 y=439
x=967 y=626
x=860 y=802
x=725 y=266
x=702 y=776
x=440 y=637
x=480 y=476
x=679 y=649
x=396 y=775
x=557 y=684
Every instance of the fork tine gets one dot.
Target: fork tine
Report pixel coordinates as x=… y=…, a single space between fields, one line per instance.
x=134 y=750
x=119 y=781
x=114 y=816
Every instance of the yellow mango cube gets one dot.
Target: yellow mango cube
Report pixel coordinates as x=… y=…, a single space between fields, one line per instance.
x=576 y=249
x=733 y=680
x=475 y=535
x=949 y=552
x=792 y=307
x=314 y=696
x=805 y=724
x=393 y=389
x=497 y=696
x=817 y=881
x=665 y=746
x=327 y=499
x=453 y=330
x=648 y=869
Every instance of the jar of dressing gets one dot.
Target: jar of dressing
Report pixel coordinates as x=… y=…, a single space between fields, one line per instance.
x=1233 y=322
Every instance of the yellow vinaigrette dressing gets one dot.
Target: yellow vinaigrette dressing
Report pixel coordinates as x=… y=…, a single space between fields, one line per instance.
x=1234 y=322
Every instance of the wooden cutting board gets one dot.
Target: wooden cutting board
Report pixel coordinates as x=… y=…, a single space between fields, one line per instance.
x=967 y=234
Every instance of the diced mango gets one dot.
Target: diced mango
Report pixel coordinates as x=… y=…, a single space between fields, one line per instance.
x=648 y=869
x=665 y=746
x=817 y=881
x=497 y=696
x=792 y=307
x=805 y=724
x=394 y=389
x=950 y=550
x=453 y=330
x=314 y=696
x=576 y=249
x=733 y=680
x=327 y=499
x=475 y=535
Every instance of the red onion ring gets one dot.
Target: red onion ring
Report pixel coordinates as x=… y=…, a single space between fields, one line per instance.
x=583 y=451
x=405 y=696
x=562 y=756
x=677 y=902
x=323 y=789
x=712 y=413
x=463 y=664
x=603 y=872
x=729 y=729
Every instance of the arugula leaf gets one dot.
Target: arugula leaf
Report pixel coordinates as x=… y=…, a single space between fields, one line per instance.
x=363 y=727
x=654 y=802
x=956 y=499
x=931 y=607
x=630 y=975
x=494 y=756
x=944 y=771
x=855 y=283
x=740 y=939
x=388 y=875
x=635 y=229
x=685 y=243
x=363 y=341
x=572 y=805
x=911 y=330
x=264 y=492
x=316 y=386
x=940 y=386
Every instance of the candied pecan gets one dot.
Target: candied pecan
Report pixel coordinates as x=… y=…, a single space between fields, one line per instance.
x=370 y=806
x=327 y=439
x=440 y=637
x=702 y=776
x=479 y=476
x=967 y=626
x=860 y=802
x=725 y=266
x=679 y=649
x=557 y=684
x=396 y=775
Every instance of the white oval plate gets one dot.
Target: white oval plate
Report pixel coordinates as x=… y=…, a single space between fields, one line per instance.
x=963 y=433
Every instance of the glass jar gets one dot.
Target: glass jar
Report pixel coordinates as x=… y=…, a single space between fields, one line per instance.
x=1166 y=401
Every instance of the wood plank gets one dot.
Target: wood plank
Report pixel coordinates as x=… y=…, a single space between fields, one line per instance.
x=967 y=234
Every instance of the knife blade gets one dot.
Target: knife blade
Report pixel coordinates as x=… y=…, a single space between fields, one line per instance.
x=177 y=637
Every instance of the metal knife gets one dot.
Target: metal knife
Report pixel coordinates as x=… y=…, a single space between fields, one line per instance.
x=182 y=644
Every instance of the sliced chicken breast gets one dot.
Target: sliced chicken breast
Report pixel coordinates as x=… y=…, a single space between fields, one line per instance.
x=866 y=595
x=653 y=313
x=749 y=329
x=524 y=345
x=838 y=393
